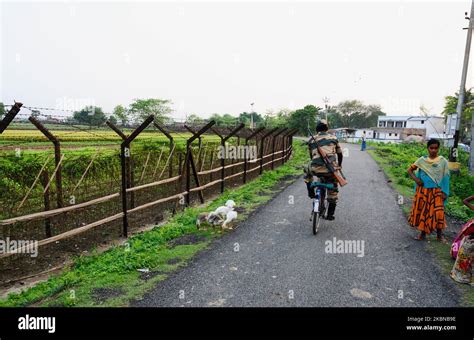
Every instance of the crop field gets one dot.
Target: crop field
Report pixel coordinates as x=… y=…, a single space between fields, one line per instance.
x=24 y=152
x=45 y=196
x=28 y=138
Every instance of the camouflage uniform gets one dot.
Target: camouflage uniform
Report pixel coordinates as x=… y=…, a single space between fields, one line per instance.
x=316 y=166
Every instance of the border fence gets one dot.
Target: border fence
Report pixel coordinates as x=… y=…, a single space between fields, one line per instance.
x=188 y=176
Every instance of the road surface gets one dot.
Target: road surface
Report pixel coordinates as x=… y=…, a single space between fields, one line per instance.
x=280 y=263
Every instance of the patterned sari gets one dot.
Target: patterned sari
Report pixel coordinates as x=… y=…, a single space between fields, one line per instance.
x=462 y=268
x=427 y=212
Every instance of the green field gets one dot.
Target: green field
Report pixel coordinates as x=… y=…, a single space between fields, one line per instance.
x=86 y=137
x=23 y=152
x=396 y=158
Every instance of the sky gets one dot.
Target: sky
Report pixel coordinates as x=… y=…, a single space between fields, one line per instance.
x=210 y=57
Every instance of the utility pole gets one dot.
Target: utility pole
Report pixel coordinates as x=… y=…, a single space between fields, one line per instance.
x=326 y=101
x=469 y=34
x=454 y=155
x=251 y=114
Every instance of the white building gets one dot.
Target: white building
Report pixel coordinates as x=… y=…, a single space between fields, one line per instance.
x=397 y=129
x=409 y=127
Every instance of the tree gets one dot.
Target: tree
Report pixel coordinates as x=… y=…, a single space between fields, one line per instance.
x=194 y=119
x=334 y=118
x=244 y=117
x=450 y=105
x=121 y=114
x=225 y=120
x=142 y=108
x=350 y=112
x=372 y=115
x=217 y=118
x=276 y=119
x=91 y=115
x=354 y=114
x=35 y=113
x=112 y=119
x=229 y=120
x=2 y=110
x=304 y=118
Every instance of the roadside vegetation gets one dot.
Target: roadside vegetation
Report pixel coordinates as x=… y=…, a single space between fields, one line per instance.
x=125 y=272
x=395 y=159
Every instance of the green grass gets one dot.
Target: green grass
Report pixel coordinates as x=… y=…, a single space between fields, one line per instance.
x=117 y=267
x=394 y=160
x=20 y=170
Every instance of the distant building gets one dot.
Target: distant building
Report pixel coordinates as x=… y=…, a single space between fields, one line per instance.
x=402 y=128
x=342 y=133
x=22 y=117
x=396 y=129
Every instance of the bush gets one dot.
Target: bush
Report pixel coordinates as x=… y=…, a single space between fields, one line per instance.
x=398 y=157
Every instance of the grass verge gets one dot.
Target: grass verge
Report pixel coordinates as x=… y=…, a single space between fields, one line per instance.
x=440 y=250
x=112 y=278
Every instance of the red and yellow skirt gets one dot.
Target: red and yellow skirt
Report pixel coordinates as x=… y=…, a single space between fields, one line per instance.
x=427 y=211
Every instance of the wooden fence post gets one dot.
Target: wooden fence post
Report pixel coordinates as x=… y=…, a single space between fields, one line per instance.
x=262 y=146
x=252 y=134
x=224 y=139
x=9 y=116
x=57 y=159
x=47 y=204
x=189 y=161
x=273 y=145
x=130 y=182
x=124 y=154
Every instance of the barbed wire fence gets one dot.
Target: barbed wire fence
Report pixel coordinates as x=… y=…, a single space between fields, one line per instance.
x=70 y=201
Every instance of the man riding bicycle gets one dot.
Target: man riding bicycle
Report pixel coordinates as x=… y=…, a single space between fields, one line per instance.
x=317 y=167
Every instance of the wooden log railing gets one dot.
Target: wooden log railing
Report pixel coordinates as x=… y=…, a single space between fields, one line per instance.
x=285 y=152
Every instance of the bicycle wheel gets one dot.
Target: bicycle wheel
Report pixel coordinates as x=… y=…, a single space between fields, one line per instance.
x=317 y=216
x=322 y=205
x=316 y=221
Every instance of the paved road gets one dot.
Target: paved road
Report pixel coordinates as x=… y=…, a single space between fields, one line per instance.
x=280 y=262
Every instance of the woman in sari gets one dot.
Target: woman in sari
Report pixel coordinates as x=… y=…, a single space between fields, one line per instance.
x=432 y=190
x=462 y=250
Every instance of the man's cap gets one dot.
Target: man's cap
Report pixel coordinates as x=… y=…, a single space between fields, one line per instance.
x=323 y=121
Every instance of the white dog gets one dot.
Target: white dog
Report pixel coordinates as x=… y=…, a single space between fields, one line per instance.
x=222 y=215
x=224 y=209
x=210 y=218
x=231 y=215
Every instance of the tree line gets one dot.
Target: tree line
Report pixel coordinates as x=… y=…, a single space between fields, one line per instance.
x=348 y=113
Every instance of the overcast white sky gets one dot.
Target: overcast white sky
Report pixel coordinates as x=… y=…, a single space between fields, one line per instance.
x=210 y=57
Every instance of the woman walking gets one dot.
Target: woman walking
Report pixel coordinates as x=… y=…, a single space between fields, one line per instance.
x=432 y=190
x=364 y=144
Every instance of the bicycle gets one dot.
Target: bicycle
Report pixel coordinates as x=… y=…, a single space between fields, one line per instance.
x=319 y=203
